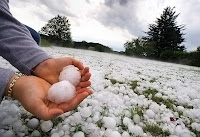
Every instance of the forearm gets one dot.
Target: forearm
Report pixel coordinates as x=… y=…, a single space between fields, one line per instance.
x=16 y=44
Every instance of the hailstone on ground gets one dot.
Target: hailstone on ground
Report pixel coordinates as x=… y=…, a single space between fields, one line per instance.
x=85 y=112
x=33 y=123
x=60 y=92
x=71 y=74
x=79 y=134
x=109 y=122
x=46 y=126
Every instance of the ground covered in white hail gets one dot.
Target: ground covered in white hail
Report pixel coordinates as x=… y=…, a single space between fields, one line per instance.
x=132 y=97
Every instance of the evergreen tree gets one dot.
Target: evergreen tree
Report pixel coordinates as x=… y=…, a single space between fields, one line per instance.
x=165 y=33
x=58 y=28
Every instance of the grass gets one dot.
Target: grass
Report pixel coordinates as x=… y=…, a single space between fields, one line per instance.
x=139 y=111
x=45 y=43
x=99 y=123
x=125 y=128
x=167 y=102
x=155 y=130
x=152 y=80
x=113 y=81
x=104 y=113
x=197 y=133
x=187 y=106
x=134 y=84
x=150 y=91
x=159 y=100
x=57 y=120
x=134 y=111
x=24 y=116
x=78 y=128
x=139 y=73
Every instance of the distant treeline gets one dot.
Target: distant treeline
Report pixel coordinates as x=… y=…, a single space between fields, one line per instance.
x=48 y=41
x=186 y=58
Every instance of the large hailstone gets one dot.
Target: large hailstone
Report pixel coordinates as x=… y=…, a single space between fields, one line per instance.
x=71 y=74
x=46 y=126
x=33 y=123
x=60 y=92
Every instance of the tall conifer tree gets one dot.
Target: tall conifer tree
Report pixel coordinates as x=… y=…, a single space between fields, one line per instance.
x=165 y=33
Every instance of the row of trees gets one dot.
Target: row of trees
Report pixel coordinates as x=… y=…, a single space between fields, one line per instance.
x=57 y=31
x=163 y=41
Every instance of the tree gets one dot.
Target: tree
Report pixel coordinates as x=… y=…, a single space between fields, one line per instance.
x=166 y=34
x=139 y=47
x=134 y=47
x=58 y=28
x=198 y=48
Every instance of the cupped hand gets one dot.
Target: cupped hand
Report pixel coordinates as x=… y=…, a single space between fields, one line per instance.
x=32 y=91
x=50 y=69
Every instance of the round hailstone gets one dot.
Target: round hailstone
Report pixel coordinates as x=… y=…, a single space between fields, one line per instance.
x=33 y=123
x=150 y=114
x=126 y=121
x=85 y=112
x=195 y=126
x=185 y=134
x=71 y=74
x=154 y=108
x=139 y=131
x=55 y=135
x=46 y=126
x=125 y=134
x=35 y=133
x=9 y=133
x=17 y=126
x=178 y=130
x=159 y=95
x=108 y=132
x=79 y=134
x=136 y=119
x=109 y=122
x=115 y=134
x=136 y=130
x=60 y=92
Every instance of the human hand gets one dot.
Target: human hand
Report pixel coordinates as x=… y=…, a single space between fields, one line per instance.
x=50 y=69
x=32 y=92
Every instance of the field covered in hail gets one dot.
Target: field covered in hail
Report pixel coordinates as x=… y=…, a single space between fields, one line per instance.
x=132 y=98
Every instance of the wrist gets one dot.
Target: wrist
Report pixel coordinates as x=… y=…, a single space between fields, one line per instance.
x=11 y=84
x=40 y=67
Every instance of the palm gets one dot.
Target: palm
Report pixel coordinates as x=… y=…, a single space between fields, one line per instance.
x=50 y=70
x=33 y=96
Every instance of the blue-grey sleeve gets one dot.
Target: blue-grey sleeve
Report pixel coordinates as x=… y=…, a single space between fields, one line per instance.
x=5 y=76
x=17 y=45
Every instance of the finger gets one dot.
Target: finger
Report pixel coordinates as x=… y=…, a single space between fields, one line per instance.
x=86 y=77
x=84 y=84
x=89 y=90
x=75 y=102
x=77 y=63
x=84 y=71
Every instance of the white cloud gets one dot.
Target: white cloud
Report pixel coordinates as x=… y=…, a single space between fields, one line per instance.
x=109 y=22
x=113 y=37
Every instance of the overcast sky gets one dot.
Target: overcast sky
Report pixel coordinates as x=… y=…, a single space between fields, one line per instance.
x=110 y=22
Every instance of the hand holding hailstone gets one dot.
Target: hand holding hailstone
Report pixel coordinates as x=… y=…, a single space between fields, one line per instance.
x=65 y=90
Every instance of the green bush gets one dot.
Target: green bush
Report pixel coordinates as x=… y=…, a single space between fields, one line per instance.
x=45 y=43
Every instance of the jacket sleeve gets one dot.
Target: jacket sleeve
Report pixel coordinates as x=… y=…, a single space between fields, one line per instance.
x=17 y=45
x=5 y=76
